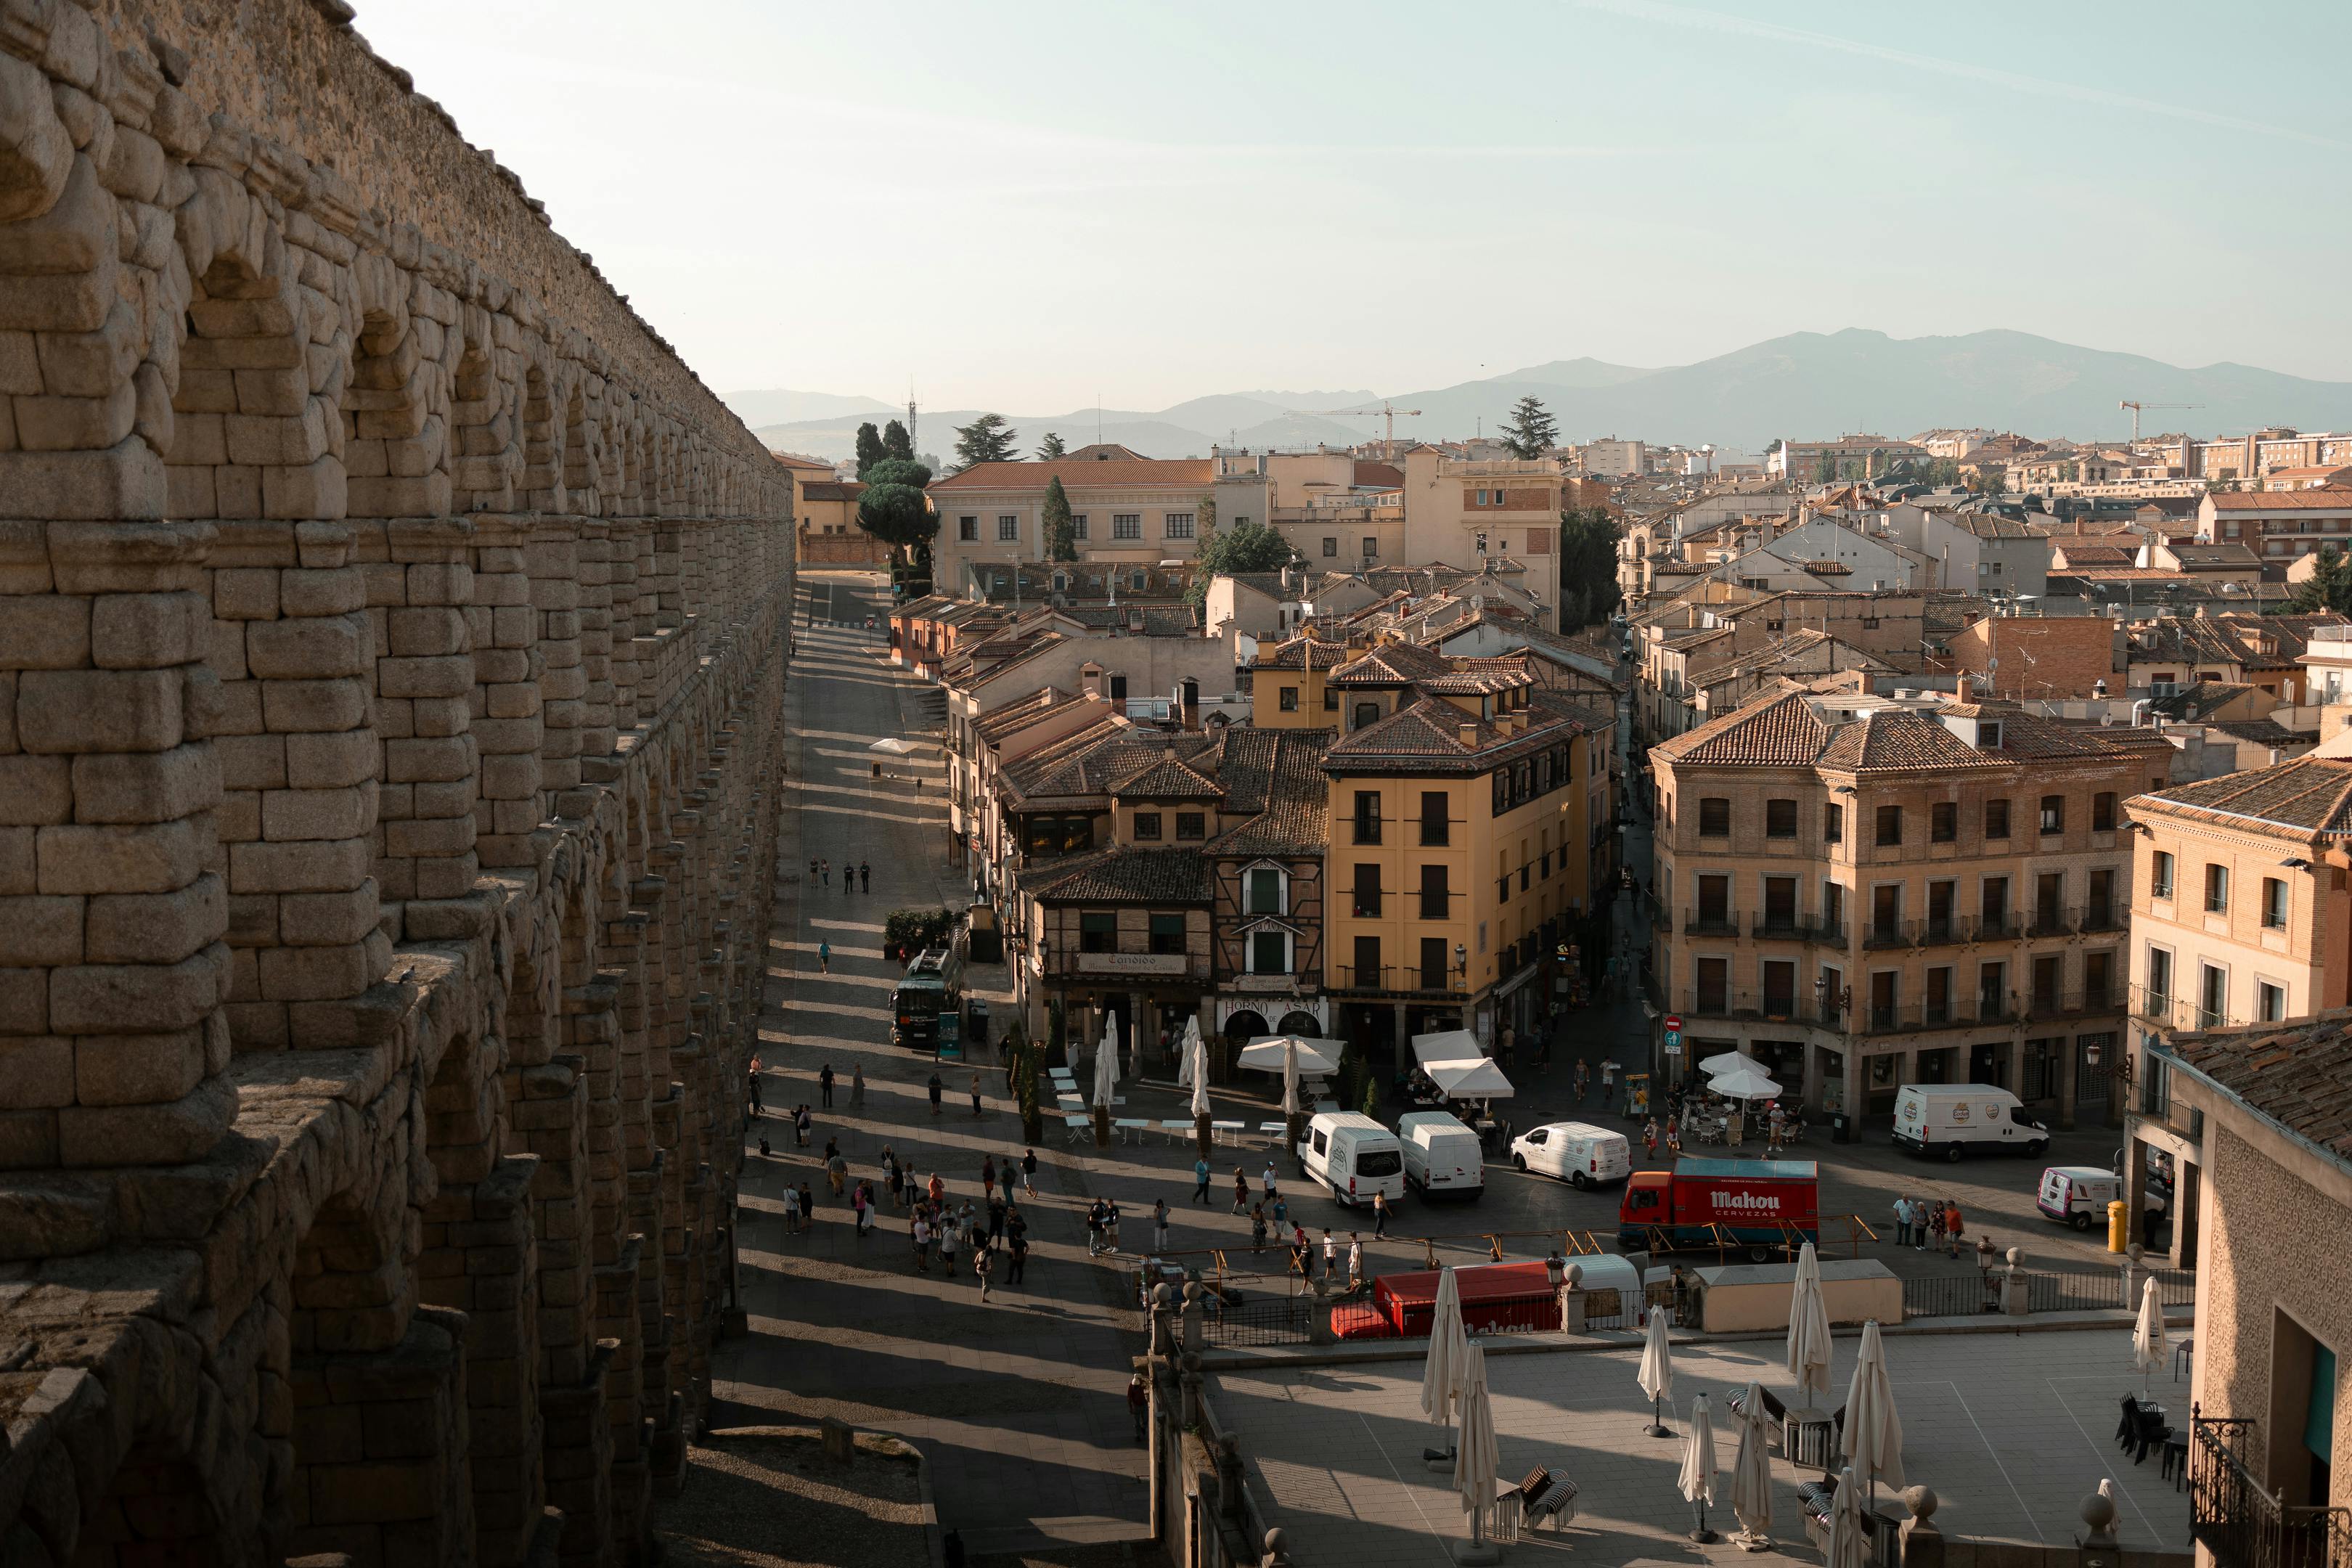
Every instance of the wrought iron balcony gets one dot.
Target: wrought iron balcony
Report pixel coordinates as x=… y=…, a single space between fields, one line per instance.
x=2240 y=1523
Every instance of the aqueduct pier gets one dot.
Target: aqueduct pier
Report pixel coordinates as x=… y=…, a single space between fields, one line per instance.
x=392 y=647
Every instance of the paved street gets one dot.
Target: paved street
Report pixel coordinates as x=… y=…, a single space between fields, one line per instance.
x=2012 y=1431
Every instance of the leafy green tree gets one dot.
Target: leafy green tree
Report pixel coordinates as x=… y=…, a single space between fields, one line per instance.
x=1532 y=430
x=1587 y=567
x=893 y=506
x=1061 y=530
x=870 y=450
x=987 y=439
x=1052 y=446
x=1244 y=547
x=896 y=443
x=2329 y=587
x=1207 y=516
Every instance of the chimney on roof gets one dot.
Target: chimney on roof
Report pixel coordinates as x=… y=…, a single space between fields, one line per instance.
x=1469 y=734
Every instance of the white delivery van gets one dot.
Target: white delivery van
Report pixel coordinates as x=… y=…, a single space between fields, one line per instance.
x=2079 y=1195
x=1954 y=1118
x=1354 y=1156
x=1577 y=1153
x=1441 y=1155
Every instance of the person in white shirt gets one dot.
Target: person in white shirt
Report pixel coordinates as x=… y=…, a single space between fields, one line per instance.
x=1355 y=1261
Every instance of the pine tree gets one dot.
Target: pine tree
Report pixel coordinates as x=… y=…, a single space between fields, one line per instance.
x=1531 y=431
x=1052 y=446
x=2329 y=587
x=870 y=450
x=1061 y=531
x=987 y=439
x=895 y=442
x=893 y=506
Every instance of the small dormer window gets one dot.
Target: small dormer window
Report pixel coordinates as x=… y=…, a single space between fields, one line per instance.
x=1061 y=583
x=1988 y=734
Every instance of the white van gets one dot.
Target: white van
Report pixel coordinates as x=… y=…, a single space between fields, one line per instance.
x=1354 y=1156
x=1951 y=1119
x=2079 y=1195
x=1441 y=1155
x=1577 y=1153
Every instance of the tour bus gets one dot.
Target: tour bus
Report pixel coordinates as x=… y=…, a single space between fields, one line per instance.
x=931 y=988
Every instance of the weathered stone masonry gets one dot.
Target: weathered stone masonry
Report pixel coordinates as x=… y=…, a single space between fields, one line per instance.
x=391 y=653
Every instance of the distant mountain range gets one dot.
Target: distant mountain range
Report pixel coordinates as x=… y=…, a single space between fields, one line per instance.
x=1806 y=385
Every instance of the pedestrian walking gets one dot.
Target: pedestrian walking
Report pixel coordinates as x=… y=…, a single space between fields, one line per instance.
x=1952 y=1228
x=889 y=1171
x=1160 y=1225
x=1007 y=1173
x=1241 y=1190
x=803 y=1123
x=791 y=1211
x=997 y=1208
x=1258 y=1227
x=1094 y=1229
x=936 y=1088
x=751 y=1087
x=808 y=1205
x=1330 y=1255
x=1268 y=1181
x=824 y=871
x=865 y=875
x=1355 y=1260
x=936 y=1189
x=1200 y=1180
x=987 y=1172
x=848 y=880
x=824 y=958
x=1935 y=1224
x=1379 y=1212
x=1029 y=1172
x=982 y=1268
x=1139 y=1403
x=1016 y=1246
x=857 y=1209
x=837 y=1169
x=1650 y=1140
x=1776 y=1126
x=947 y=1246
x=857 y=1087
x=1299 y=1251
x=1673 y=1139
x=812 y=870
x=1281 y=1211
x=1903 y=1220
x=975 y=1094
x=825 y=1086
x=1583 y=1081
x=1110 y=1225
x=921 y=1232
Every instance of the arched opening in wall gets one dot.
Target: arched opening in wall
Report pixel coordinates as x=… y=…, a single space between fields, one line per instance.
x=629 y=456
x=542 y=444
x=482 y=436
x=157 y=1510
x=395 y=429
x=583 y=457
x=465 y=1110
x=245 y=388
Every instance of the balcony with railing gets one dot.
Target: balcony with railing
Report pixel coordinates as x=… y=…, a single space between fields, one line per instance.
x=2245 y=1525
x=1797 y=1006
x=1711 y=923
x=1400 y=980
x=1874 y=1018
x=1794 y=927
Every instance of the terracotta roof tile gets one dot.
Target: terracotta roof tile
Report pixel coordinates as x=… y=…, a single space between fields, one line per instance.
x=2298 y=1079
x=2298 y=799
x=1124 y=874
x=1146 y=473
x=2326 y=499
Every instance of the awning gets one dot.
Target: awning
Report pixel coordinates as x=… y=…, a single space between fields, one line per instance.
x=1476 y=1078
x=1446 y=1046
x=1264 y=1053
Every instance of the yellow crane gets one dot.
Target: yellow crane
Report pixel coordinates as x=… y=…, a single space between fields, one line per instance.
x=2136 y=407
x=1387 y=413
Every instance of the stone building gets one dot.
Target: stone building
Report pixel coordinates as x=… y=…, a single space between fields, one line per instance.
x=390 y=678
x=1864 y=893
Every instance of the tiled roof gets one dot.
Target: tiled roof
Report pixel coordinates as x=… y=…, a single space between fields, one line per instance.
x=2199 y=697
x=1302 y=653
x=833 y=490
x=794 y=460
x=2191 y=638
x=1171 y=621
x=2264 y=731
x=1480 y=677
x=1124 y=874
x=1793 y=729
x=1134 y=473
x=1278 y=776
x=1006 y=717
x=1390 y=663
x=1165 y=778
x=2226 y=553
x=1085 y=764
x=1377 y=476
x=1426 y=735
x=2299 y=1079
x=2302 y=798
x=1782 y=732
x=2326 y=499
x=1900 y=740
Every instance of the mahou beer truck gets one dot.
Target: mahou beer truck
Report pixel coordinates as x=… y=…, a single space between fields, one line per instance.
x=1759 y=1204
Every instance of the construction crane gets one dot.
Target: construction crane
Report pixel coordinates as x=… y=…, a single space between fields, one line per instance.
x=2136 y=407
x=1387 y=413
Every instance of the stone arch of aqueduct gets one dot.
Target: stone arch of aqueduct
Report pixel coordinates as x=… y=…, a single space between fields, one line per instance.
x=392 y=652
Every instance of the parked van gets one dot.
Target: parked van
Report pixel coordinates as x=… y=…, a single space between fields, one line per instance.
x=1354 y=1156
x=1951 y=1119
x=1441 y=1157
x=1577 y=1153
x=2079 y=1195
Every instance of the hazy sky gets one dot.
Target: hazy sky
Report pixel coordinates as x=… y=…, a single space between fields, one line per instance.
x=1021 y=206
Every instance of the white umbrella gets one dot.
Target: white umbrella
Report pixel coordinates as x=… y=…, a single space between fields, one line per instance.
x=1741 y=1083
x=1873 y=1433
x=1198 y=1057
x=1184 y=1053
x=1069 y=1049
x=1290 y=1079
x=1446 y=1046
x=2147 y=1334
x=1268 y=1052
x=1849 y=1545
x=895 y=747
x=1476 y=1455
x=1729 y=1061
x=1449 y=1347
x=1697 y=1481
x=1106 y=1063
x=1809 y=1335
x=1656 y=1373
x=1751 y=1470
x=1476 y=1078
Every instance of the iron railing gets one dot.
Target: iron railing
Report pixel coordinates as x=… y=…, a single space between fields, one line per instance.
x=1951 y=1295
x=2240 y=1523
x=1260 y=1317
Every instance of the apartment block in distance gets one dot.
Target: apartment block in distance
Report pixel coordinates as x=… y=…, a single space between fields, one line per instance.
x=1864 y=893
x=1126 y=508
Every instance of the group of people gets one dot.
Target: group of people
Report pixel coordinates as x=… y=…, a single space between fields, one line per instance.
x=1933 y=1224
x=857 y=879
x=979 y=1231
x=1777 y=1127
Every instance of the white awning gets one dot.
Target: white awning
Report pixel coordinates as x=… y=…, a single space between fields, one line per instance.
x=1446 y=1046
x=1476 y=1078
x=1264 y=1053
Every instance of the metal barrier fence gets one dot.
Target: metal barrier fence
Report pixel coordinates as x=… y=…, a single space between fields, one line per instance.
x=1251 y=1312
x=1953 y=1295
x=1261 y=1310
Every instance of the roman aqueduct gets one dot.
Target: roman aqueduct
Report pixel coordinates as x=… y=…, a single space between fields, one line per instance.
x=392 y=649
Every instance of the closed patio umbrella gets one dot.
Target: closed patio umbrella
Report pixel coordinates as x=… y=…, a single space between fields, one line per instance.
x=1809 y=1336
x=1449 y=1348
x=2147 y=1334
x=1696 y=1482
x=1184 y=1053
x=1107 y=1064
x=1751 y=1473
x=1197 y=1058
x=1290 y=1079
x=1873 y=1433
x=1656 y=1373
x=1849 y=1545
x=1476 y=1455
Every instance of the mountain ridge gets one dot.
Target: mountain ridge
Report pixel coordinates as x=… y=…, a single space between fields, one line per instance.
x=1800 y=384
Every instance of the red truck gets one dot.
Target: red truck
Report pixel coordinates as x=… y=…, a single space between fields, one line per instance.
x=1756 y=1203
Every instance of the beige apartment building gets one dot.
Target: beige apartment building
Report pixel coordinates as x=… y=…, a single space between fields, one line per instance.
x=1127 y=508
x=2239 y=917
x=1865 y=892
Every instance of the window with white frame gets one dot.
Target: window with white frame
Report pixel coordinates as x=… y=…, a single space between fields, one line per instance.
x=2270 y=1003
x=1269 y=952
x=1127 y=525
x=1267 y=891
x=1008 y=527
